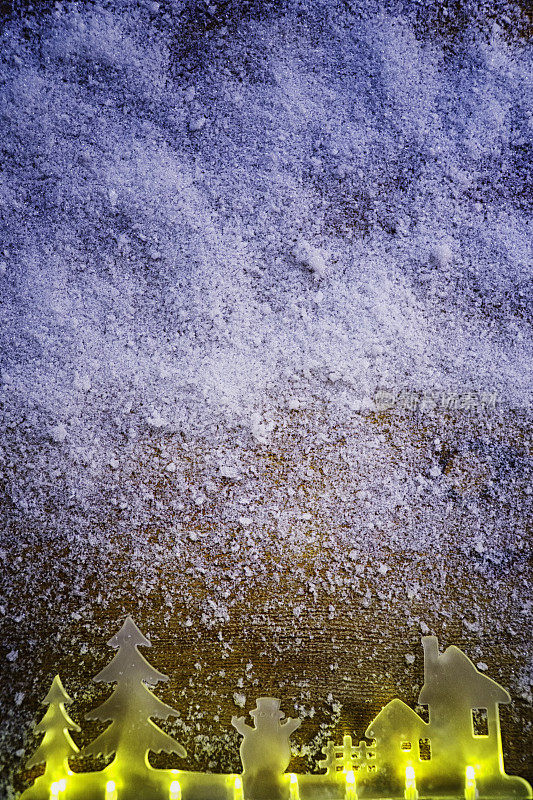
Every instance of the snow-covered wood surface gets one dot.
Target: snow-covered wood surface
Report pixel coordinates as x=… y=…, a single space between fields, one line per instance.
x=265 y=283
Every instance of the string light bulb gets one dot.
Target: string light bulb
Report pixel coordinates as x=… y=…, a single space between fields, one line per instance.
x=411 y=792
x=294 y=789
x=350 y=791
x=174 y=791
x=237 y=789
x=111 y=791
x=470 y=783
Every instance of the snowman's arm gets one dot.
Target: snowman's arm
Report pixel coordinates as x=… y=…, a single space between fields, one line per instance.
x=290 y=725
x=240 y=725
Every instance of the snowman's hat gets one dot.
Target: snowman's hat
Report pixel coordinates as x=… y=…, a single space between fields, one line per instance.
x=269 y=706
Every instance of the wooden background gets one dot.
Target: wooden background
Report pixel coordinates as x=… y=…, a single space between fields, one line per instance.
x=65 y=601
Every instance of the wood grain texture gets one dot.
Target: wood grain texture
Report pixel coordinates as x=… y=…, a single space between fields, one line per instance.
x=347 y=645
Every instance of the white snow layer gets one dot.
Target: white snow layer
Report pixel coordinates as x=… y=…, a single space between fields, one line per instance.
x=265 y=279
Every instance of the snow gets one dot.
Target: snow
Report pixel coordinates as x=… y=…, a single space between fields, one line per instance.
x=239 y=699
x=265 y=384
x=197 y=124
x=311 y=257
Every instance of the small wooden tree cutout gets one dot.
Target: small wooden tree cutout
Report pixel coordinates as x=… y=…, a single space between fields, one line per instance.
x=57 y=746
x=132 y=734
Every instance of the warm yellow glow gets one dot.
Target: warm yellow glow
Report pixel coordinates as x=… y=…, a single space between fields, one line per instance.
x=410 y=783
x=456 y=693
x=350 y=792
x=174 y=791
x=294 y=788
x=56 y=788
x=237 y=789
x=470 y=783
x=110 y=791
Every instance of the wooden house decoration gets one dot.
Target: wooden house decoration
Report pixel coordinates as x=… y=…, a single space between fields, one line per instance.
x=463 y=730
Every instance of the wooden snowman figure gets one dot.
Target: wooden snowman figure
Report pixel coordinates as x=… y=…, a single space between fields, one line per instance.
x=265 y=750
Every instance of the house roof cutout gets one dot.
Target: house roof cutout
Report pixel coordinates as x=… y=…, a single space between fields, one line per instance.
x=452 y=672
x=399 y=717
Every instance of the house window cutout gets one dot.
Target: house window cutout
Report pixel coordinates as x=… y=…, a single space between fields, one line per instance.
x=406 y=745
x=424 y=749
x=480 y=722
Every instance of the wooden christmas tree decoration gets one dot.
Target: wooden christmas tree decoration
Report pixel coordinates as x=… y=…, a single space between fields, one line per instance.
x=457 y=754
x=132 y=734
x=56 y=747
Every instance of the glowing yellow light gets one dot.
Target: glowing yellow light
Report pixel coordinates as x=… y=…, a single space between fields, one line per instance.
x=110 y=791
x=350 y=793
x=410 y=784
x=294 y=793
x=470 y=783
x=174 y=791
x=62 y=785
x=237 y=789
x=54 y=790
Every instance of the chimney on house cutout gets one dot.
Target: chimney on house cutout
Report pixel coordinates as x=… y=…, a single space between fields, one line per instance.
x=431 y=654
